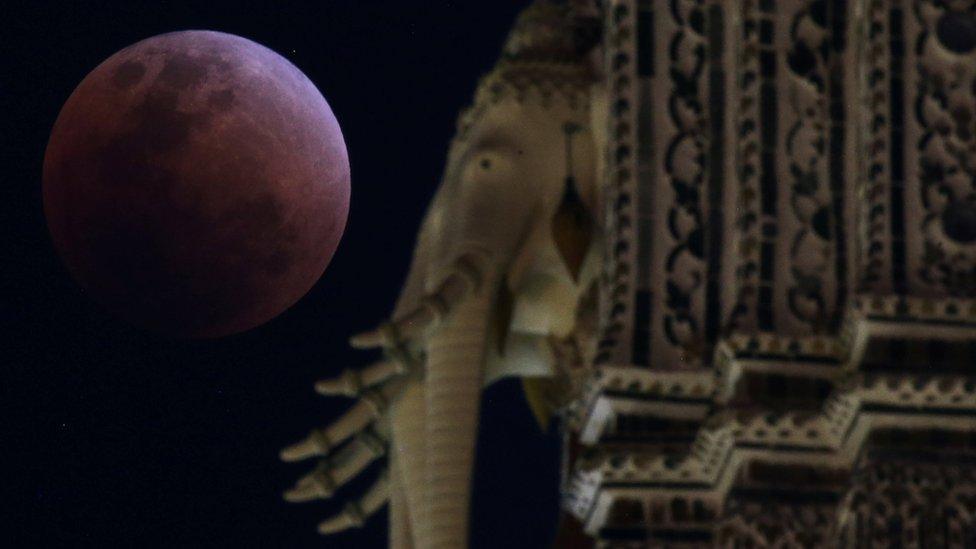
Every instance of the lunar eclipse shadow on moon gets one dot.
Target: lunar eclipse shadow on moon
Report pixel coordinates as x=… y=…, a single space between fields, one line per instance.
x=196 y=184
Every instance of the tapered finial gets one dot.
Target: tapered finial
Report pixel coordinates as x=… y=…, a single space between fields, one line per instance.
x=553 y=31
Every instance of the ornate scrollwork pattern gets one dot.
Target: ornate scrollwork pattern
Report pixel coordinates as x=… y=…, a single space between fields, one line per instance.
x=896 y=503
x=684 y=141
x=617 y=284
x=873 y=149
x=944 y=112
x=811 y=226
x=747 y=237
x=767 y=524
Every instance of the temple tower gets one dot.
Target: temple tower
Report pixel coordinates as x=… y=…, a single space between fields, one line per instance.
x=788 y=305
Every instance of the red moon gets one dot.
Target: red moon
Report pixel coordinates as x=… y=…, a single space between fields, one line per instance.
x=196 y=184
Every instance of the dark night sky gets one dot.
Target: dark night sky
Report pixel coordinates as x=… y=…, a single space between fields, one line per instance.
x=115 y=437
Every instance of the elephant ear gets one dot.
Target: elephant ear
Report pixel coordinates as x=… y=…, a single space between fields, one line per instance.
x=572 y=229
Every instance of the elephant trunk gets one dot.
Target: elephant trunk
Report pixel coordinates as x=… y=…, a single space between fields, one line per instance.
x=455 y=370
x=401 y=535
x=408 y=437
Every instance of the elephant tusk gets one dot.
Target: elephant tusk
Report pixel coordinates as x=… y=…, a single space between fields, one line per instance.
x=354 y=515
x=333 y=473
x=371 y=406
x=434 y=307
x=352 y=381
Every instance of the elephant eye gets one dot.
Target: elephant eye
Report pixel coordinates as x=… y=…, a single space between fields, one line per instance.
x=485 y=163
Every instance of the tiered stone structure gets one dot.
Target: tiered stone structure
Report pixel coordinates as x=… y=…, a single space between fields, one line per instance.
x=788 y=303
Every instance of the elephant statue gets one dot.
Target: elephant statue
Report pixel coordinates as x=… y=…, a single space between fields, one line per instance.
x=502 y=283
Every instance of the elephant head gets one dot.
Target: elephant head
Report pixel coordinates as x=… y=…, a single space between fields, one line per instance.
x=507 y=248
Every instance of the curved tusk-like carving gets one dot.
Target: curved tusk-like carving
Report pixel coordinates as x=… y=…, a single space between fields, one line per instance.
x=335 y=471
x=370 y=406
x=354 y=515
x=464 y=279
x=352 y=381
